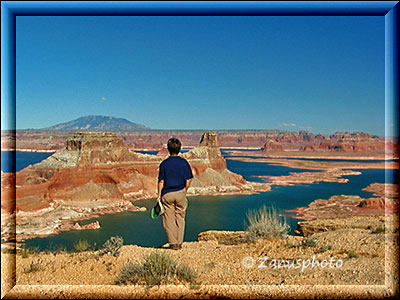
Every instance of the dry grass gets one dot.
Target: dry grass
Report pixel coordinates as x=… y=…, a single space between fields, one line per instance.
x=266 y=223
x=158 y=268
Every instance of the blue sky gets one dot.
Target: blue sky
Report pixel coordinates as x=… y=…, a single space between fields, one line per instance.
x=322 y=74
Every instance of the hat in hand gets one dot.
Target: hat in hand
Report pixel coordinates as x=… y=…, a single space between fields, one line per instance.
x=157 y=210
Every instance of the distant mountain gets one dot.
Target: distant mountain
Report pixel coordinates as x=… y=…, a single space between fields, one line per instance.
x=98 y=123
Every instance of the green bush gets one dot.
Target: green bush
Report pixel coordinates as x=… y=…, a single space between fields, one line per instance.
x=185 y=273
x=266 y=223
x=132 y=273
x=310 y=242
x=112 y=246
x=325 y=248
x=82 y=245
x=32 y=268
x=378 y=230
x=26 y=251
x=56 y=249
x=157 y=268
x=351 y=254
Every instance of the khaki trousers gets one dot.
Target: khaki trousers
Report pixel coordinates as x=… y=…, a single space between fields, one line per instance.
x=175 y=204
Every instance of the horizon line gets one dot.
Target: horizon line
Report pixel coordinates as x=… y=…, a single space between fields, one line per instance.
x=155 y=129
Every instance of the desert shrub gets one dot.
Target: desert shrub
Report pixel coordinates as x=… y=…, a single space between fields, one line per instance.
x=185 y=273
x=310 y=242
x=56 y=249
x=325 y=248
x=351 y=254
x=133 y=273
x=266 y=223
x=112 y=246
x=157 y=268
x=379 y=229
x=32 y=268
x=26 y=251
x=82 y=245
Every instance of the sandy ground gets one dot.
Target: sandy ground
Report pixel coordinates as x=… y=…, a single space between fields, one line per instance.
x=362 y=264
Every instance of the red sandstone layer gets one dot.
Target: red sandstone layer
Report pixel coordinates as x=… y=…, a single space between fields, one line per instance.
x=342 y=206
x=269 y=141
x=97 y=172
x=383 y=189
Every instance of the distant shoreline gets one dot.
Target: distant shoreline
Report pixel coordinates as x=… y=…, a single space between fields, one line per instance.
x=29 y=150
x=295 y=154
x=147 y=149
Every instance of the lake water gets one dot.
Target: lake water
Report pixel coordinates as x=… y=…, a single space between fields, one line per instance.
x=17 y=160
x=207 y=212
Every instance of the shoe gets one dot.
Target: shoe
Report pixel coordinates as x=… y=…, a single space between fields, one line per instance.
x=165 y=246
x=174 y=247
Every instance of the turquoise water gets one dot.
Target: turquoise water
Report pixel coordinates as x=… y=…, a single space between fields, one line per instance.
x=210 y=212
x=12 y=161
x=152 y=152
x=207 y=213
x=250 y=170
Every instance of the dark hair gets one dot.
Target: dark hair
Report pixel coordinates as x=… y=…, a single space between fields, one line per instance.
x=174 y=146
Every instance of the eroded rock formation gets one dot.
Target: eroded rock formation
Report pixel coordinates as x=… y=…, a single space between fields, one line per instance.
x=272 y=146
x=342 y=206
x=348 y=142
x=271 y=140
x=97 y=173
x=94 y=225
x=383 y=189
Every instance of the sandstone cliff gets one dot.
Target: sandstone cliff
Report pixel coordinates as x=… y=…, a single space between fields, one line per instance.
x=97 y=173
x=349 y=142
x=270 y=140
x=272 y=146
x=211 y=175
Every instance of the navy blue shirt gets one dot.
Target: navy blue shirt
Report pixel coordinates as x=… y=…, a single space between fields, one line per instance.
x=175 y=170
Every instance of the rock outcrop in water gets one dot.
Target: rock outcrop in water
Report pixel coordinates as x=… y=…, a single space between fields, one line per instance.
x=272 y=146
x=211 y=175
x=92 y=166
x=97 y=173
x=342 y=206
x=383 y=189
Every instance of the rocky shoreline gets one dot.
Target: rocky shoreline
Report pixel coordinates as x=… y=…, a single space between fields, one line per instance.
x=58 y=218
x=383 y=190
x=343 y=206
x=29 y=150
x=320 y=165
x=63 y=217
x=310 y=155
x=97 y=174
x=331 y=175
x=69 y=214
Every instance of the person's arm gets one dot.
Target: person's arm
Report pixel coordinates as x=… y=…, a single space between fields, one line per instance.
x=159 y=188
x=189 y=176
x=161 y=177
x=188 y=182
